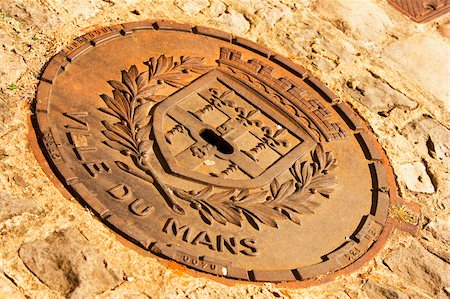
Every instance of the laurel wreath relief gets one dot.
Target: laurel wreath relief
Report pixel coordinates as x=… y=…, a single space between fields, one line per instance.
x=131 y=103
x=282 y=201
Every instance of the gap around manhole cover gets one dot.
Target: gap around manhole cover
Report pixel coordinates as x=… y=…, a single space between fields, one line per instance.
x=214 y=152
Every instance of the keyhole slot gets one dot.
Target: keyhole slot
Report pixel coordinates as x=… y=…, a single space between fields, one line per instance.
x=217 y=141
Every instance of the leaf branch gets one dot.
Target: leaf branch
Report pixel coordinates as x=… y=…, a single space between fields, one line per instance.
x=281 y=201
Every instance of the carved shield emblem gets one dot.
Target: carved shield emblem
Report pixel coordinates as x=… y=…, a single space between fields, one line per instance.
x=219 y=131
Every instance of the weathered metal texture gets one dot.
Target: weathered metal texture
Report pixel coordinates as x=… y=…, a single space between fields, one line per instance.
x=422 y=11
x=214 y=152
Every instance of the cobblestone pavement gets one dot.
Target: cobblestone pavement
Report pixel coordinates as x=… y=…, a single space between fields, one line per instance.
x=394 y=72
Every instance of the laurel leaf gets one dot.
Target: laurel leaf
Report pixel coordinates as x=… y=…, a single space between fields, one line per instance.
x=113 y=105
x=268 y=212
x=109 y=111
x=114 y=137
x=298 y=208
x=291 y=216
x=274 y=188
x=133 y=72
x=182 y=194
x=142 y=111
x=299 y=196
x=220 y=196
x=122 y=128
x=147 y=91
x=200 y=69
x=176 y=83
x=152 y=67
x=328 y=158
x=120 y=98
x=325 y=191
x=205 y=216
x=261 y=217
x=306 y=173
x=286 y=189
x=254 y=198
x=118 y=85
x=229 y=214
x=144 y=133
x=331 y=166
x=311 y=204
x=296 y=171
x=319 y=156
x=204 y=193
x=142 y=80
x=243 y=193
x=145 y=147
x=323 y=181
x=115 y=145
x=193 y=64
x=176 y=79
x=129 y=82
x=161 y=65
x=170 y=64
x=190 y=60
x=143 y=121
x=214 y=214
x=118 y=129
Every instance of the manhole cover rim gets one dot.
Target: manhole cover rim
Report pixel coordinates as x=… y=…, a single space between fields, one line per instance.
x=49 y=147
x=421 y=11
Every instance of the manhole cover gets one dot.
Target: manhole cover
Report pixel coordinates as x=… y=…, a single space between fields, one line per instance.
x=215 y=152
x=422 y=11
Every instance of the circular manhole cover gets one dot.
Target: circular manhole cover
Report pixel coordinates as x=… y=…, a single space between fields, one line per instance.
x=213 y=151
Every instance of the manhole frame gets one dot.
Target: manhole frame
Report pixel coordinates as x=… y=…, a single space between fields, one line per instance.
x=95 y=37
x=414 y=9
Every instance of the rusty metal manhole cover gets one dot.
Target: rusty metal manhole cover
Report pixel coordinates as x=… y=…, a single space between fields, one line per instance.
x=422 y=11
x=215 y=152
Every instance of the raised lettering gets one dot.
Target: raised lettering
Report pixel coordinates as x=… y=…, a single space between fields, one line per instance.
x=94 y=168
x=77 y=134
x=52 y=148
x=204 y=239
x=78 y=117
x=120 y=192
x=217 y=243
x=199 y=262
x=228 y=244
x=80 y=152
x=250 y=247
x=79 y=139
x=139 y=208
x=173 y=226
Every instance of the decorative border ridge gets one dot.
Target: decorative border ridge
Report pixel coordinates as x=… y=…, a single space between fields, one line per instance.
x=297 y=95
x=341 y=262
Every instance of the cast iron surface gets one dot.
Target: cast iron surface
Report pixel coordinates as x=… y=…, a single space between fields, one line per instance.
x=422 y=11
x=214 y=152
